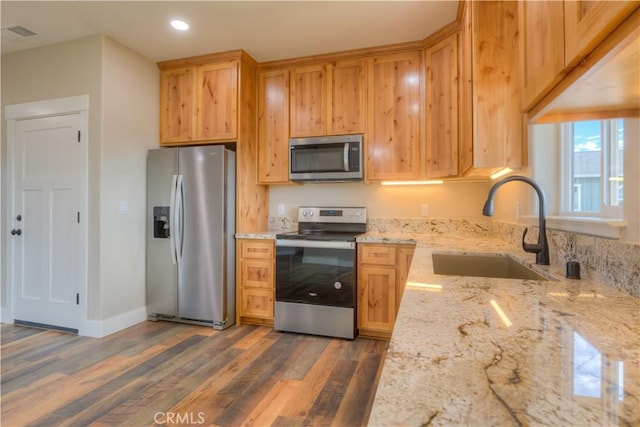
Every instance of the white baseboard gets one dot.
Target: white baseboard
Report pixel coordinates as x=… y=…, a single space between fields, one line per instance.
x=102 y=328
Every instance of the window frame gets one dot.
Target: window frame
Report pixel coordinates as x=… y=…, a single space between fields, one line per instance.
x=608 y=132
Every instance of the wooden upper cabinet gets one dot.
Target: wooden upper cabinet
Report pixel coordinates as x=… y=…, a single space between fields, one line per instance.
x=347 y=98
x=394 y=115
x=557 y=36
x=177 y=105
x=309 y=101
x=273 y=126
x=587 y=23
x=541 y=46
x=199 y=103
x=441 y=88
x=328 y=99
x=217 y=101
x=495 y=125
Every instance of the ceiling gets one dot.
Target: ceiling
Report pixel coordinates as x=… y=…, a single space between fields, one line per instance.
x=267 y=30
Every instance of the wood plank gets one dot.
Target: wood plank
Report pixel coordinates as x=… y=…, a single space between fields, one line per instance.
x=172 y=388
x=267 y=410
x=205 y=398
x=302 y=364
x=245 y=375
x=314 y=381
x=132 y=381
x=323 y=409
x=256 y=379
x=357 y=401
x=13 y=333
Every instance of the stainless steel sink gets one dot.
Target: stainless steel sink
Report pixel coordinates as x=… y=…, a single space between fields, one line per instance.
x=489 y=265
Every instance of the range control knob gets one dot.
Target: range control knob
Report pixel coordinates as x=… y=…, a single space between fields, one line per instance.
x=337 y=285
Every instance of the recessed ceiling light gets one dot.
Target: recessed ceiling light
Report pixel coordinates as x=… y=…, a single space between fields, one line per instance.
x=179 y=25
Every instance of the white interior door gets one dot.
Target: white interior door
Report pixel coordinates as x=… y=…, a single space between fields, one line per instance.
x=47 y=238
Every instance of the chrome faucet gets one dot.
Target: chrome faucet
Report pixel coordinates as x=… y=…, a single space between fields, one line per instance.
x=541 y=249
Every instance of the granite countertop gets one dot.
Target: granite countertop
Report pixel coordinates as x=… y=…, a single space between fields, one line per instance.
x=469 y=351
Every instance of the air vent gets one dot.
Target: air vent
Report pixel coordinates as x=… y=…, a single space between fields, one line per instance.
x=17 y=32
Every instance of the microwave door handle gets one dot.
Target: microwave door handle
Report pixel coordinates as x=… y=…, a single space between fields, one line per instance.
x=346 y=157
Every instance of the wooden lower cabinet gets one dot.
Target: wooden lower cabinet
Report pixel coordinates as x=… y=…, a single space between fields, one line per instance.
x=382 y=275
x=255 y=283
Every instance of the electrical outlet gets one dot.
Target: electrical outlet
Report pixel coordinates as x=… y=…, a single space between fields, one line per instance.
x=280 y=209
x=424 y=209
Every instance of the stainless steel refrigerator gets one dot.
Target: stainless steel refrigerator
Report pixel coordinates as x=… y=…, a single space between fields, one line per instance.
x=190 y=235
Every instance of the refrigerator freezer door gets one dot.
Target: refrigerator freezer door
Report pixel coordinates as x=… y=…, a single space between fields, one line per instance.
x=162 y=272
x=202 y=271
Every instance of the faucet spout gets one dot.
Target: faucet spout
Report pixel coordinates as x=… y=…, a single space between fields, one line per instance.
x=541 y=248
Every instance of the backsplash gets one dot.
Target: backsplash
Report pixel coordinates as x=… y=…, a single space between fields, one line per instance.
x=405 y=225
x=612 y=262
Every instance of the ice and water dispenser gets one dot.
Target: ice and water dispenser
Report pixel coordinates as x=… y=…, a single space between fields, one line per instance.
x=161 y=229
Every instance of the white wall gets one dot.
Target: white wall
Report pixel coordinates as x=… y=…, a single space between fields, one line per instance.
x=123 y=124
x=130 y=97
x=450 y=200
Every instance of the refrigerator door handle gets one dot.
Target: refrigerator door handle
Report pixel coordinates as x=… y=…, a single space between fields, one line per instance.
x=172 y=220
x=179 y=218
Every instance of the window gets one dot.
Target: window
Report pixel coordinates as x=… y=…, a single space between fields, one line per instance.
x=592 y=168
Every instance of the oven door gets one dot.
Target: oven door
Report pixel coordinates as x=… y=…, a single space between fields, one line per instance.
x=316 y=272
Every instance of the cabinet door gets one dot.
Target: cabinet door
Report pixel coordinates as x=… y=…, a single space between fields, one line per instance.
x=309 y=101
x=376 y=298
x=177 y=105
x=393 y=121
x=257 y=303
x=497 y=117
x=587 y=23
x=257 y=274
x=273 y=126
x=347 y=98
x=541 y=46
x=441 y=88
x=217 y=101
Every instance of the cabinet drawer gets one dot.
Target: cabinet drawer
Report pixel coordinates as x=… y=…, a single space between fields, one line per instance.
x=378 y=254
x=257 y=249
x=257 y=274
x=257 y=303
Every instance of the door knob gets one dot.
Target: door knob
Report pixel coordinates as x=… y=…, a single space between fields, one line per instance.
x=15 y=232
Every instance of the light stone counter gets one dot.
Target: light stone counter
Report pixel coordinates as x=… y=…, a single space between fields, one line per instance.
x=259 y=235
x=561 y=353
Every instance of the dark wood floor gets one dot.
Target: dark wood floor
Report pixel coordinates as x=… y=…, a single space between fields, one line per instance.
x=167 y=373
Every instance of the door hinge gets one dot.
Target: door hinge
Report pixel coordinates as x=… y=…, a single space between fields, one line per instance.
x=78 y=217
x=77 y=299
x=78 y=136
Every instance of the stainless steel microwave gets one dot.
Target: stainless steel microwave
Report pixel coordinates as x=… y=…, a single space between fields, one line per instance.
x=326 y=158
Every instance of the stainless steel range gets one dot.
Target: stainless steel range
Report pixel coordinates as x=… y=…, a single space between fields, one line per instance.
x=316 y=272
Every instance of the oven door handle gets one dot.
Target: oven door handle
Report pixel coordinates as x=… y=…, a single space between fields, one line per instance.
x=323 y=244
